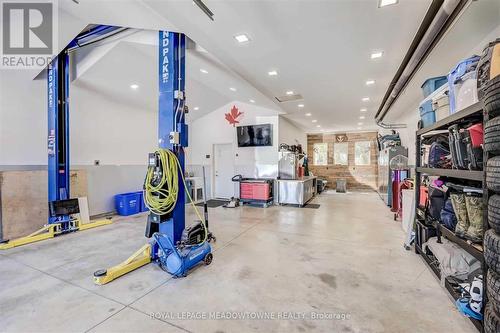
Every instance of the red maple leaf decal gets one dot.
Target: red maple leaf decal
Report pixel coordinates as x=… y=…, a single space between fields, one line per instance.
x=233 y=115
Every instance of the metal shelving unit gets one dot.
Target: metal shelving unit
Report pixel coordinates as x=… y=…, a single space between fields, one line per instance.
x=471 y=113
x=452 y=173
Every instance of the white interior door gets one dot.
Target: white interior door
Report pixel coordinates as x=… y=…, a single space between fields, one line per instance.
x=224 y=170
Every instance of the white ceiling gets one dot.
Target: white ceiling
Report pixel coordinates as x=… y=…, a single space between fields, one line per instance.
x=321 y=49
x=110 y=68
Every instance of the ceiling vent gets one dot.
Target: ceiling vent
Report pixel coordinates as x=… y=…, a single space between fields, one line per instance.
x=289 y=98
x=204 y=9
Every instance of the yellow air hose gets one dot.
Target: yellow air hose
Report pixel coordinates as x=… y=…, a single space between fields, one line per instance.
x=161 y=199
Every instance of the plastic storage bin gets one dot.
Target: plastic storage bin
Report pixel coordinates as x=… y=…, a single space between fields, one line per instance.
x=441 y=106
x=427 y=115
x=455 y=76
x=441 y=102
x=143 y=207
x=128 y=203
x=466 y=91
x=341 y=185
x=430 y=85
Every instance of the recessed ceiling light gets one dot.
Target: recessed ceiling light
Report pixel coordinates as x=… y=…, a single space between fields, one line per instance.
x=242 y=38
x=134 y=86
x=196 y=108
x=289 y=92
x=376 y=54
x=318 y=126
x=362 y=117
x=252 y=101
x=370 y=82
x=308 y=114
x=322 y=130
x=204 y=71
x=359 y=124
x=383 y=3
x=359 y=128
x=363 y=110
x=365 y=99
x=232 y=89
x=272 y=73
x=300 y=105
x=314 y=121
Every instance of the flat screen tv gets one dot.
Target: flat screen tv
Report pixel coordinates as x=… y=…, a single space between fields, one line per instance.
x=255 y=135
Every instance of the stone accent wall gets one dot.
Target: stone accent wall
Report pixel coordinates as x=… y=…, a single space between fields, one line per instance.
x=359 y=177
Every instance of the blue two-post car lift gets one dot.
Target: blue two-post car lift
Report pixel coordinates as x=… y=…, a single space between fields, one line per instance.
x=173 y=247
x=170 y=245
x=172 y=86
x=58 y=166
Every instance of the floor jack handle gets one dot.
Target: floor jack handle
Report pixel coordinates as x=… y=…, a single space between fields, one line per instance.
x=205 y=206
x=210 y=235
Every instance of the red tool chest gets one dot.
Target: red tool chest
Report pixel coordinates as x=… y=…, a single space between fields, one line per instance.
x=255 y=190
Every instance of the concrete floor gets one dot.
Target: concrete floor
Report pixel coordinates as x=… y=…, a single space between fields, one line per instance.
x=344 y=260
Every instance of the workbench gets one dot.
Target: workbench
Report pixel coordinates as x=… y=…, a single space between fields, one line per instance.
x=296 y=191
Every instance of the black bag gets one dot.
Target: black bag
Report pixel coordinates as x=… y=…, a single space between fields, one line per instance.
x=474 y=154
x=437 y=199
x=458 y=148
x=438 y=156
x=448 y=217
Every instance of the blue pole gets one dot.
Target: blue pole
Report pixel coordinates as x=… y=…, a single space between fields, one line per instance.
x=58 y=132
x=170 y=117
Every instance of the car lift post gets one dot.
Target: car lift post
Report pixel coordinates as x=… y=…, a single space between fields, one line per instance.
x=171 y=123
x=58 y=82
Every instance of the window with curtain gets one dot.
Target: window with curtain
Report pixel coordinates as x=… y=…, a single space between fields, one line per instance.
x=320 y=154
x=362 y=152
x=341 y=153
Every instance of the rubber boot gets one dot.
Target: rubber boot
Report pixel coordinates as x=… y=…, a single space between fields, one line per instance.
x=460 y=208
x=475 y=213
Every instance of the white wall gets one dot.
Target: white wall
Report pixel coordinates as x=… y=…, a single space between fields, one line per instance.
x=213 y=128
x=109 y=130
x=23 y=119
x=100 y=129
x=120 y=136
x=290 y=134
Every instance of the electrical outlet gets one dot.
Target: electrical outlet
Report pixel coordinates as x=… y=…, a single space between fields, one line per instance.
x=174 y=137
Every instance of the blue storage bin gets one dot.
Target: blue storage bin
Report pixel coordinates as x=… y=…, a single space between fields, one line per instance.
x=427 y=114
x=430 y=85
x=463 y=67
x=143 y=207
x=128 y=203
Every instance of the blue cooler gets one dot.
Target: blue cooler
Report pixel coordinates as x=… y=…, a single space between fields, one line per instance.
x=463 y=67
x=427 y=114
x=128 y=203
x=430 y=85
